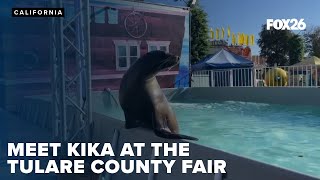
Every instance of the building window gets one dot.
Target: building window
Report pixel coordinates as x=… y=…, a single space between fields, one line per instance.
x=127 y=52
x=158 y=45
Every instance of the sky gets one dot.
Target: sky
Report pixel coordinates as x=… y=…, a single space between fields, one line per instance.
x=247 y=16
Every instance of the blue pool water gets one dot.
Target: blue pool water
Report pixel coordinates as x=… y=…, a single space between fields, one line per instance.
x=285 y=136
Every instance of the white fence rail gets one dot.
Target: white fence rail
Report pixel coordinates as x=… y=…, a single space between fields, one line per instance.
x=281 y=76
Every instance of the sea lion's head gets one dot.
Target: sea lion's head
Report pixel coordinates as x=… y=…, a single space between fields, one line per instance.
x=156 y=61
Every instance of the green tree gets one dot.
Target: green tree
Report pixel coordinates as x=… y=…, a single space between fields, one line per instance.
x=296 y=49
x=199 y=31
x=312 y=42
x=199 y=34
x=280 y=47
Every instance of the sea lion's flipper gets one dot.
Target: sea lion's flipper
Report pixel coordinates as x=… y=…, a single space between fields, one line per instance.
x=168 y=135
x=171 y=120
x=165 y=118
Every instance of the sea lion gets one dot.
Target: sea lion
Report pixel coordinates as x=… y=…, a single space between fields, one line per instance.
x=142 y=100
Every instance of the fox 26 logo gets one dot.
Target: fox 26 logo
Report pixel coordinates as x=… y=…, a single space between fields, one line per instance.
x=286 y=24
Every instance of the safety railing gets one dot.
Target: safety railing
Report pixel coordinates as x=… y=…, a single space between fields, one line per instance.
x=281 y=76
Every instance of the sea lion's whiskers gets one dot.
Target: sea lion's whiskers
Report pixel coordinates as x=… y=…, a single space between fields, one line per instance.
x=164 y=62
x=169 y=68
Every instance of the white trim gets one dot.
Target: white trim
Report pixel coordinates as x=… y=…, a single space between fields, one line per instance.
x=162 y=43
x=127 y=44
x=158 y=44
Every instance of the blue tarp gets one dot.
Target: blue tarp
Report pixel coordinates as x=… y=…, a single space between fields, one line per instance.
x=222 y=60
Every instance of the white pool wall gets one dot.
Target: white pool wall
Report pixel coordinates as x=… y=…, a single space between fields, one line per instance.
x=272 y=95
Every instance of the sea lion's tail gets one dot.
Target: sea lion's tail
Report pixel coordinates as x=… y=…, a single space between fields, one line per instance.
x=168 y=135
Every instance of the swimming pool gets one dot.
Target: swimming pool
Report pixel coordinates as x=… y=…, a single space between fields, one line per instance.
x=281 y=135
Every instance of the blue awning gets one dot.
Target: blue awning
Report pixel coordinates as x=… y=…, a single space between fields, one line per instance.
x=222 y=60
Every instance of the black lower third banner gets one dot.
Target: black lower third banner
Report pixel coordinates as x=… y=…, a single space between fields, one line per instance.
x=37 y=12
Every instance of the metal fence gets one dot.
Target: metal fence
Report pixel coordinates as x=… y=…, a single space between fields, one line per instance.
x=281 y=76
